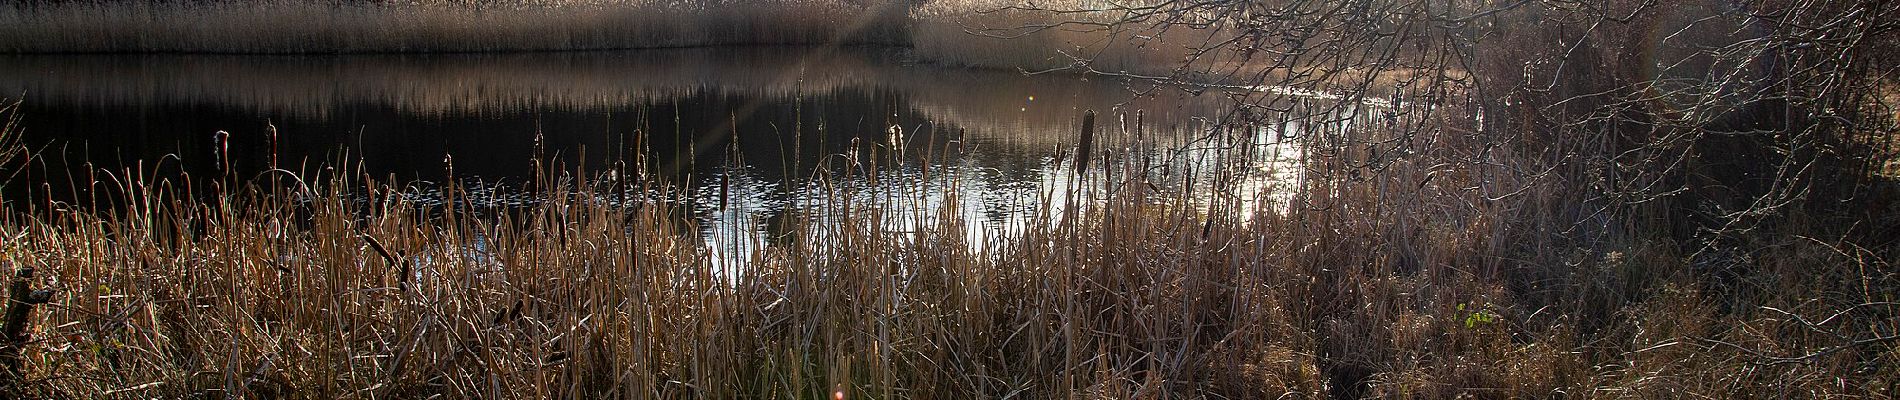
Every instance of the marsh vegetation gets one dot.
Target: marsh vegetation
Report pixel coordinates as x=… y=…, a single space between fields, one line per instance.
x=1161 y=199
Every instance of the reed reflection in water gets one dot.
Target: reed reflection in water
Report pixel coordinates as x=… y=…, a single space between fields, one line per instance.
x=756 y=138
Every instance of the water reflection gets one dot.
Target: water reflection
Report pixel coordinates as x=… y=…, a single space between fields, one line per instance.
x=756 y=135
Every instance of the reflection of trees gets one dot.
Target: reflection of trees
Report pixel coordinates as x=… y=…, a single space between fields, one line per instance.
x=782 y=138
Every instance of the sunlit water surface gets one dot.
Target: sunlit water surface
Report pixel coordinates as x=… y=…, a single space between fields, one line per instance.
x=756 y=140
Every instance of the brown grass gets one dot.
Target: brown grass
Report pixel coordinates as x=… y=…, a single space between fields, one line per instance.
x=1486 y=259
x=341 y=286
x=312 y=26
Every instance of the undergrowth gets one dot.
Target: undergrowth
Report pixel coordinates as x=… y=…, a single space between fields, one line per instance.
x=336 y=285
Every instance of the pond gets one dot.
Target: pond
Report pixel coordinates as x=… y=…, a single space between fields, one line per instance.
x=750 y=136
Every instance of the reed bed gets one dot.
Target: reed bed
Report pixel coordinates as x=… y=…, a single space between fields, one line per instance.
x=337 y=285
x=311 y=26
x=978 y=33
x=1476 y=246
x=1069 y=36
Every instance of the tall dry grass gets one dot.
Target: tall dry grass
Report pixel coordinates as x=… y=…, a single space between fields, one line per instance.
x=1397 y=284
x=1458 y=257
x=1067 y=36
x=12 y=149
x=980 y=33
x=309 y=26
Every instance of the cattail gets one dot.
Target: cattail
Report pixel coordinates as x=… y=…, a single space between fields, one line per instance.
x=272 y=128
x=1088 y=142
x=221 y=144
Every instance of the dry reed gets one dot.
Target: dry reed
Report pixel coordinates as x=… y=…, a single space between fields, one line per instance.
x=1449 y=271
x=977 y=33
x=338 y=285
x=309 y=26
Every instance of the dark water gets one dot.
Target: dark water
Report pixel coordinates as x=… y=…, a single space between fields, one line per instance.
x=744 y=131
